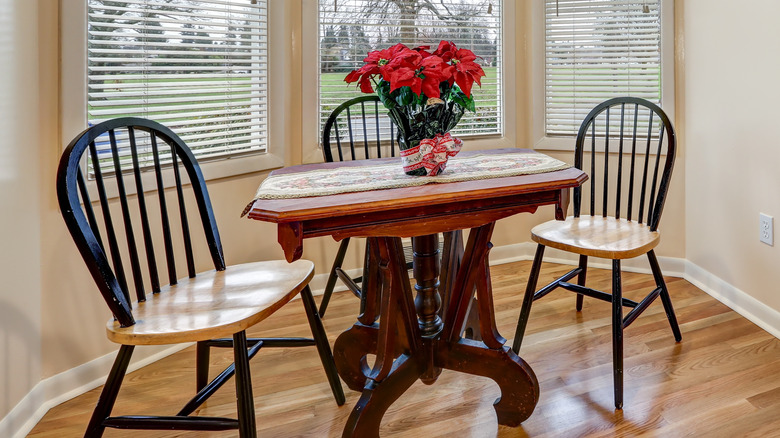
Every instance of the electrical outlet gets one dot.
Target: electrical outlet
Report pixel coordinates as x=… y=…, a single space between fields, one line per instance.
x=765 y=227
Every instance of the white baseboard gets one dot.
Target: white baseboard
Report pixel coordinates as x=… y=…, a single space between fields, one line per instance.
x=62 y=387
x=737 y=300
x=76 y=381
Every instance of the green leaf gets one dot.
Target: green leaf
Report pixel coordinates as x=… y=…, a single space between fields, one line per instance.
x=465 y=102
x=406 y=96
x=383 y=91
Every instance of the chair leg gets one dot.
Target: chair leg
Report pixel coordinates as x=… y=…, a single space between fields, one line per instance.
x=581 y=279
x=617 y=333
x=666 y=299
x=323 y=347
x=110 y=390
x=201 y=365
x=246 y=403
x=528 y=299
x=332 y=276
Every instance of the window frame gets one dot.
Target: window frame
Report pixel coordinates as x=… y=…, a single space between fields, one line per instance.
x=566 y=143
x=311 y=135
x=73 y=76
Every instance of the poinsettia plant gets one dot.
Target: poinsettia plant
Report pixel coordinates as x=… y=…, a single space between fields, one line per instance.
x=426 y=93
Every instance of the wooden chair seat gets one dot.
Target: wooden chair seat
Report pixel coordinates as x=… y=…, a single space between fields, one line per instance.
x=214 y=304
x=597 y=236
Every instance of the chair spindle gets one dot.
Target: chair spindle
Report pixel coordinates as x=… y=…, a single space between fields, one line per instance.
x=116 y=257
x=147 y=232
x=351 y=136
x=633 y=162
x=376 y=124
x=593 y=169
x=185 y=226
x=88 y=207
x=166 y=226
x=338 y=140
x=620 y=161
x=644 y=175
x=135 y=264
x=651 y=220
x=365 y=129
x=392 y=139
x=606 y=168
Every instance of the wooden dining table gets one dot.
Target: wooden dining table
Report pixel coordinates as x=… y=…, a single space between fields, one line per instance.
x=416 y=331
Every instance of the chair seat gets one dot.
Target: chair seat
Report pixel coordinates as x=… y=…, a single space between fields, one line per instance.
x=214 y=304
x=597 y=236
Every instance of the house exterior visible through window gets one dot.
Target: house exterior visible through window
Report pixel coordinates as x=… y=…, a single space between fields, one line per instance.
x=595 y=50
x=349 y=29
x=196 y=66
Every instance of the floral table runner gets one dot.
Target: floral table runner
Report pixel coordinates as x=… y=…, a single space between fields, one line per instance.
x=324 y=182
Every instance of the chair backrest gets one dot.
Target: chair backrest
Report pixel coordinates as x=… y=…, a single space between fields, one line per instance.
x=631 y=175
x=362 y=124
x=122 y=145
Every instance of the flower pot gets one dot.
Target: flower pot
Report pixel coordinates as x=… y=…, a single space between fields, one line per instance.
x=417 y=123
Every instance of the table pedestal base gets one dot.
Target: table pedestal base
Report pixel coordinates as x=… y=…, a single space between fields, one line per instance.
x=404 y=355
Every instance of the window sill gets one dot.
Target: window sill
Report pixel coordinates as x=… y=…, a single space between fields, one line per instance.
x=556 y=144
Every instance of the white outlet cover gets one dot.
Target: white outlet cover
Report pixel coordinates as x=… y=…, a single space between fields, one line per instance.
x=766 y=229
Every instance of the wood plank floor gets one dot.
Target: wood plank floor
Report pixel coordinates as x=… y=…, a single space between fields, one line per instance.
x=722 y=380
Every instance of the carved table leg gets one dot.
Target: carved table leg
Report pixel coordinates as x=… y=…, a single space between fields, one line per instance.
x=397 y=342
x=349 y=353
x=489 y=358
x=517 y=381
x=404 y=353
x=426 y=274
x=428 y=301
x=351 y=347
x=364 y=420
x=450 y=263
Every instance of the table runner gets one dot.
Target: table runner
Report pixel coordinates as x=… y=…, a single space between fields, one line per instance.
x=322 y=182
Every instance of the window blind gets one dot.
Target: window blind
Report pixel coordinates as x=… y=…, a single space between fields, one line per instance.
x=595 y=50
x=196 y=66
x=349 y=29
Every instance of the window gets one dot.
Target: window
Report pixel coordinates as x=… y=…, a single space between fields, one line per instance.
x=595 y=50
x=349 y=29
x=198 y=67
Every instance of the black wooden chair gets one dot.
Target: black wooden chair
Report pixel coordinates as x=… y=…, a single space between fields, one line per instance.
x=213 y=308
x=640 y=139
x=357 y=129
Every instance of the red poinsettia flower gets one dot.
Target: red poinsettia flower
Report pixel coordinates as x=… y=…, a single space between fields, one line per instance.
x=446 y=50
x=423 y=76
x=466 y=70
x=434 y=72
x=377 y=62
x=419 y=69
x=405 y=77
x=423 y=51
x=404 y=59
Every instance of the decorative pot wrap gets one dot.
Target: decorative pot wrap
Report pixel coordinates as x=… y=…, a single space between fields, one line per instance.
x=431 y=154
x=428 y=123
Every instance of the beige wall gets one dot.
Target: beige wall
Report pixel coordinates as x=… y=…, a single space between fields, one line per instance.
x=20 y=267
x=731 y=111
x=56 y=317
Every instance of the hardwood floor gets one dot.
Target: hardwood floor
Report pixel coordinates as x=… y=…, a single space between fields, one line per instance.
x=722 y=380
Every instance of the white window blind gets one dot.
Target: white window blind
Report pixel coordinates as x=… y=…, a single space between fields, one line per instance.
x=595 y=50
x=349 y=29
x=196 y=66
